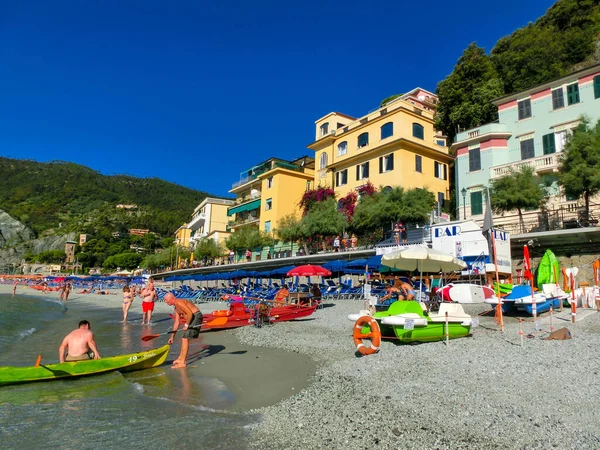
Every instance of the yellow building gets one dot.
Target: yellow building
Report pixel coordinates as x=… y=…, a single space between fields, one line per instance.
x=182 y=236
x=209 y=220
x=270 y=191
x=394 y=146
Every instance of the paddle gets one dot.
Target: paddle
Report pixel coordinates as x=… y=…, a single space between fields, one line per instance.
x=38 y=360
x=215 y=322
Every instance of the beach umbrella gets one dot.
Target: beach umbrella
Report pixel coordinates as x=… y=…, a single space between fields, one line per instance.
x=337 y=265
x=357 y=264
x=423 y=259
x=308 y=270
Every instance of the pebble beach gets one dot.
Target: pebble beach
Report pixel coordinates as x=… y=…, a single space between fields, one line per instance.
x=484 y=391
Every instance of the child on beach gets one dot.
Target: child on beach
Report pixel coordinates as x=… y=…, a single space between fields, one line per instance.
x=127 y=301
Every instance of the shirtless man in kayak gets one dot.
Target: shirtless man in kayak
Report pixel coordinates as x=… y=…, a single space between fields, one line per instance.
x=79 y=345
x=193 y=320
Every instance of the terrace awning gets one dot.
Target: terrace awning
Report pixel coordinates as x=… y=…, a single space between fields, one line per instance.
x=245 y=207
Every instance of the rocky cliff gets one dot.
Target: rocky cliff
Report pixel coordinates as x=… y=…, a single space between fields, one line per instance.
x=16 y=240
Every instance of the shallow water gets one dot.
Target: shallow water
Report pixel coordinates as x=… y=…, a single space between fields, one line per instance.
x=156 y=408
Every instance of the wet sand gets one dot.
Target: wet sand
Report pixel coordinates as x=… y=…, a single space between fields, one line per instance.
x=255 y=376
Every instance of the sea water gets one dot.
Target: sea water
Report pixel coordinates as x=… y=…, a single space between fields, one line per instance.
x=155 y=408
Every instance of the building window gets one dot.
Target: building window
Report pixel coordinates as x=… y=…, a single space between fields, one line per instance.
x=268 y=226
x=549 y=144
x=440 y=201
x=362 y=171
x=323 y=161
x=597 y=86
x=527 y=151
x=573 y=94
x=387 y=130
x=386 y=163
x=558 y=98
x=440 y=170
x=476 y=203
x=324 y=129
x=474 y=159
x=340 y=125
x=440 y=142
x=560 y=139
x=269 y=182
x=524 y=109
x=418 y=163
x=341 y=177
x=269 y=204
x=363 y=140
x=418 y=131
x=342 y=148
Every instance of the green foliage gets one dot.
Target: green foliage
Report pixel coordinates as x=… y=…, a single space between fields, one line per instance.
x=465 y=95
x=379 y=210
x=579 y=169
x=386 y=100
x=127 y=261
x=158 y=260
x=548 y=49
x=47 y=257
x=208 y=249
x=290 y=229
x=323 y=219
x=248 y=237
x=558 y=43
x=44 y=195
x=518 y=190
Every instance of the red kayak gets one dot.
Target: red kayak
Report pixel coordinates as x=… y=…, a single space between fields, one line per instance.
x=239 y=315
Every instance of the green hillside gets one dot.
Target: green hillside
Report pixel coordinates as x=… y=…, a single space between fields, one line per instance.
x=46 y=196
x=563 y=40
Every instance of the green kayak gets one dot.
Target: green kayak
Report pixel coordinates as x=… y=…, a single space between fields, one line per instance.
x=122 y=363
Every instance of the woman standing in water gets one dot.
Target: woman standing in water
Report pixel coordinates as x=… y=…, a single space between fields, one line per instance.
x=127 y=301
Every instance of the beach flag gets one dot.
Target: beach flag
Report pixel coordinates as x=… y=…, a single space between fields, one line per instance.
x=527 y=262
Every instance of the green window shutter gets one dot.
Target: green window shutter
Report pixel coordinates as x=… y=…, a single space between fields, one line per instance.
x=597 y=86
x=549 y=143
x=573 y=94
x=476 y=203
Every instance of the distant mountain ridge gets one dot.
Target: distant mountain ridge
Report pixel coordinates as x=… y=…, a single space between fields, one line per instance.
x=47 y=197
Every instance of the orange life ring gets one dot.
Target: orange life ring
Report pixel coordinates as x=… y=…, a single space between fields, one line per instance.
x=374 y=335
x=222 y=313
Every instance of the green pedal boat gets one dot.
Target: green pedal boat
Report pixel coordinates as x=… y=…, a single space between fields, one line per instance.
x=122 y=363
x=407 y=322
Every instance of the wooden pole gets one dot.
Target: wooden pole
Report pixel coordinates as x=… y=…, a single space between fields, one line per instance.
x=573 y=300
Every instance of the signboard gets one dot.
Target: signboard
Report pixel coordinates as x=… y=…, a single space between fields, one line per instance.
x=465 y=240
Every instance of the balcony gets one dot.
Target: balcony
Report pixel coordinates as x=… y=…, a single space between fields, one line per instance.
x=541 y=164
x=474 y=133
x=197 y=221
x=255 y=172
x=241 y=222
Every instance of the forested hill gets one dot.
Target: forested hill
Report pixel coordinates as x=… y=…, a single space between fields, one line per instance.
x=46 y=196
x=565 y=39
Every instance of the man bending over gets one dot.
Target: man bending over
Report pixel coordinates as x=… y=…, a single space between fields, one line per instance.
x=193 y=319
x=79 y=345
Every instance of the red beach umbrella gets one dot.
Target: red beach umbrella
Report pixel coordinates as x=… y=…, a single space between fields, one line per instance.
x=527 y=262
x=308 y=270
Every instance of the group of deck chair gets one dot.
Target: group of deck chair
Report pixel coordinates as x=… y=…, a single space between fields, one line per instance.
x=329 y=291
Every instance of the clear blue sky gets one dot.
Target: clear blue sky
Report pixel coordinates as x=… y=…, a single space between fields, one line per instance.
x=196 y=92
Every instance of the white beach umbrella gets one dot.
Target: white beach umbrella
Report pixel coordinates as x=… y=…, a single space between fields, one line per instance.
x=422 y=259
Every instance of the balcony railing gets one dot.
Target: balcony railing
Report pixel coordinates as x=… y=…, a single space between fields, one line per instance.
x=545 y=163
x=565 y=217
